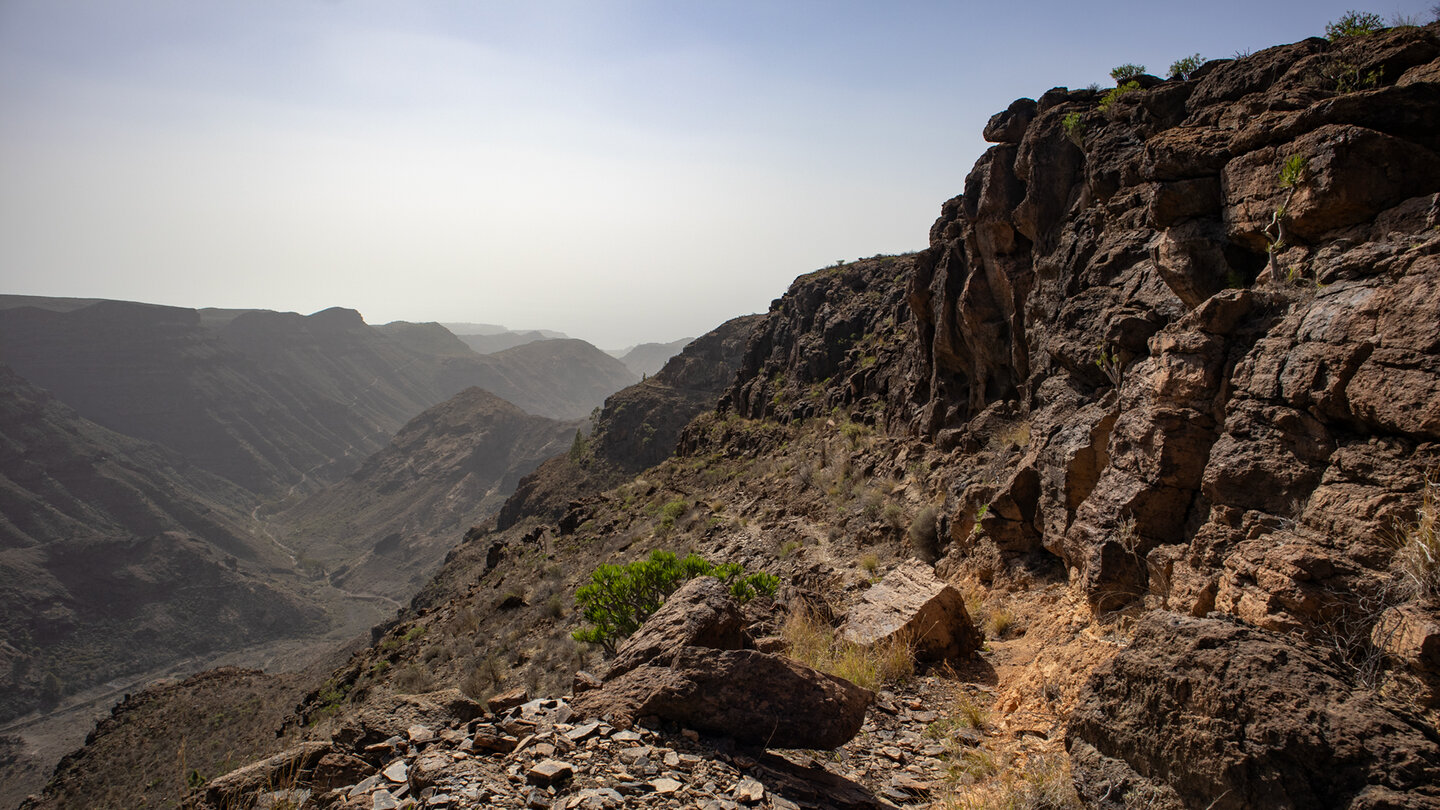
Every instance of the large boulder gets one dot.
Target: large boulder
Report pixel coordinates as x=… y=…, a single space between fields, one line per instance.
x=686 y=665
x=911 y=602
x=700 y=614
x=753 y=697
x=1206 y=713
x=288 y=769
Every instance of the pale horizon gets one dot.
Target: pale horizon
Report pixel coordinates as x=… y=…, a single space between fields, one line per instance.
x=621 y=172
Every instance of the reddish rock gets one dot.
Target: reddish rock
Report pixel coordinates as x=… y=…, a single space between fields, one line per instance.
x=1204 y=713
x=910 y=602
x=753 y=697
x=701 y=613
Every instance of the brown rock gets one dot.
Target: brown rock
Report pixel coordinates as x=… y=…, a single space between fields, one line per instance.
x=1206 y=713
x=912 y=603
x=750 y=696
x=508 y=700
x=288 y=768
x=549 y=772
x=700 y=613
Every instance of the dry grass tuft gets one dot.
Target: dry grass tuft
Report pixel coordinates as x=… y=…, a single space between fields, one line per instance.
x=1040 y=782
x=814 y=643
x=1417 y=560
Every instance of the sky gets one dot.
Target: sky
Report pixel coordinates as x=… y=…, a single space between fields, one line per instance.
x=623 y=172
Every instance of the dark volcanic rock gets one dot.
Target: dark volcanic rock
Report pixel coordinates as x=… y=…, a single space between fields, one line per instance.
x=699 y=614
x=751 y=696
x=1205 y=713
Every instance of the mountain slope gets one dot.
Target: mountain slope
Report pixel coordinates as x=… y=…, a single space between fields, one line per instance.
x=649 y=358
x=118 y=556
x=276 y=400
x=385 y=527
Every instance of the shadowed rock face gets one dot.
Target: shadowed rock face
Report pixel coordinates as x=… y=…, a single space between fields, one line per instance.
x=1204 y=713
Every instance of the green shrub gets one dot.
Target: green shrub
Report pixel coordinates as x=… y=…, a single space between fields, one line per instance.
x=1182 y=68
x=618 y=599
x=1291 y=172
x=1112 y=96
x=1074 y=124
x=1353 y=24
x=1124 y=73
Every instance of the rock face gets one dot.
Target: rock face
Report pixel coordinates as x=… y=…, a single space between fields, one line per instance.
x=1206 y=713
x=686 y=665
x=912 y=603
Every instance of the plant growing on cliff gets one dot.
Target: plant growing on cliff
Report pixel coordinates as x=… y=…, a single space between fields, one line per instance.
x=1074 y=125
x=1353 y=24
x=1292 y=173
x=619 y=598
x=1110 y=363
x=1182 y=68
x=1124 y=73
x=1109 y=99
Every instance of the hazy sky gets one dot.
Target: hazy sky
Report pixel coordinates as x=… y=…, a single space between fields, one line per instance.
x=620 y=171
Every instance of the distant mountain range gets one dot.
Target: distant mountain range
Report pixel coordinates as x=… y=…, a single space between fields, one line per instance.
x=178 y=483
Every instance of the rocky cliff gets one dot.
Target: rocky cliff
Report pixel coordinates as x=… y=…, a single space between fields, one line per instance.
x=1172 y=354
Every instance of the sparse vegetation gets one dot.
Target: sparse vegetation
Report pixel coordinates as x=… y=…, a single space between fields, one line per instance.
x=1124 y=73
x=1110 y=363
x=1074 y=124
x=1353 y=24
x=924 y=534
x=1116 y=94
x=1182 y=68
x=814 y=643
x=618 y=599
x=1417 y=557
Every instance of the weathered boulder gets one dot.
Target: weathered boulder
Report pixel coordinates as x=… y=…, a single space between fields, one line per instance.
x=751 y=696
x=911 y=602
x=393 y=716
x=700 y=614
x=287 y=769
x=1206 y=713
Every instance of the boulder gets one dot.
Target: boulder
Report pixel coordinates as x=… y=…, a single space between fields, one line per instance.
x=286 y=769
x=753 y=697
x=913 y=603
x=394 y=715
x=1206 y=713
x=700 y=614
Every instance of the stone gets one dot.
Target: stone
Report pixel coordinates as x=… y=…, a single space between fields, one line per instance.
x=388 y=719
x=748 y=790
x=283 y=768
x=397 y=771
x=419 y=734
x=583 y=732
x=549 y=772
x=910 y=602
x=665 y=786
x=383 y=800
x=489 y=738
x=701 y=613
x=508 y=700
x=1209 y=713
x=750 y=696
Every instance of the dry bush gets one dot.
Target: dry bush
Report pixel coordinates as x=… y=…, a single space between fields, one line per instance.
x=814 y=643
x=1041 y=782
x=1417 y=556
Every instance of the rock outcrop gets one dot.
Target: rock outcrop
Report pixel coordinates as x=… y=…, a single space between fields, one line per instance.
x=686 y=665
x=1206 y=713
x=911 y=603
